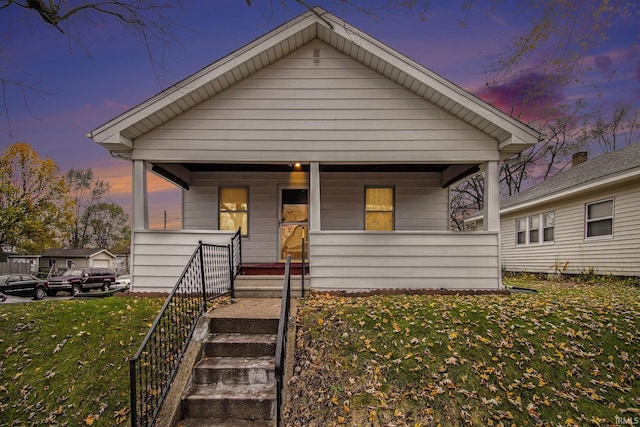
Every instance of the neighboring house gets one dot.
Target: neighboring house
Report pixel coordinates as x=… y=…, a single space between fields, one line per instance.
x=62 y=259
x=318 y=130
x=582 y=220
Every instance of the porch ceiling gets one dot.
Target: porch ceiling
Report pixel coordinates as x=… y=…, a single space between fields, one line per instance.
x=252 y=167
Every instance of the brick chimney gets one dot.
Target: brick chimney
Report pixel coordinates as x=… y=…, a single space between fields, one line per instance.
x=579 y=157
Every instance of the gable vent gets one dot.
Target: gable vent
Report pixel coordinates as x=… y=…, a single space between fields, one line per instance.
x=316 y=56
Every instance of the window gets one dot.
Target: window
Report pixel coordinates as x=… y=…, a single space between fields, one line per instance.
x=379 y=208
x=548 y=224
x=535 y=229
x=234 y=209
x=599 y=218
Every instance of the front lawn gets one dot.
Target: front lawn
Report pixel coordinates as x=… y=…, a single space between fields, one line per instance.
x=568 y=355
x=66 y=363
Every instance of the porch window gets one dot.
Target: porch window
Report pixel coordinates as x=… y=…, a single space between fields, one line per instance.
x=535 y=229
x=599 y=218
x=234 y=209
x=379 y=207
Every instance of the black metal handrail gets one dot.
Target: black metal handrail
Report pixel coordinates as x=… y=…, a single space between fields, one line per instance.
x=209 y=274
x=303 y=270
x=281 y=343
x=236 y=254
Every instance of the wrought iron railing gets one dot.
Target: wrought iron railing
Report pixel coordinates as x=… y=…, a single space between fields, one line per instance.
x=281 y=343
x=209 y=274
x=304 y=270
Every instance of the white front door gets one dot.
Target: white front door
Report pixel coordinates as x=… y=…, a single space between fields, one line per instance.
x=293 y=223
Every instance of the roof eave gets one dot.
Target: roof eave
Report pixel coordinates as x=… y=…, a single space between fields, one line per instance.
x=115 y=135
x=585 y=187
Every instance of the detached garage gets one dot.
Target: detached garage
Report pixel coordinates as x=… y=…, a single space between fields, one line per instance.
x=61 y=259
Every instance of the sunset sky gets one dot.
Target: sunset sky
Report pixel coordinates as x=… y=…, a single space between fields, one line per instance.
x=68 y=89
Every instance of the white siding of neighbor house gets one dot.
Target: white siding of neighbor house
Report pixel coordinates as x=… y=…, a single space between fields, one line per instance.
x=161 y=256
x=617 y=255
x=420 y=202
x=360 y=261
x=302 y=108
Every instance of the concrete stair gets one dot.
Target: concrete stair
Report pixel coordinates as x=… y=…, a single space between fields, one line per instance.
x=234 y=382
x=268 y=286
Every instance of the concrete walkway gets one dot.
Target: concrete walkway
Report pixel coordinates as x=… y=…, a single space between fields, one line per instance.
x=248 y=308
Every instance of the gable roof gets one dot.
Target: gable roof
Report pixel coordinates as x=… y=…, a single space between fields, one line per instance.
x=75 y=253
x=606 y=168
x=118 y=134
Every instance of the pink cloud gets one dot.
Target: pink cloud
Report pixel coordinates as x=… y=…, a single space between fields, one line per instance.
x=525 y=96
x=115 y=105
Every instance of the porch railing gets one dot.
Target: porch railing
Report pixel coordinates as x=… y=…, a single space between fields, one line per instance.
x=209 y=274
x=281 y=343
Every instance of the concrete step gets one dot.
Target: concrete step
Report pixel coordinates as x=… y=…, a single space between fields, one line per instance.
x=231 y=402
x=235 y=370
x=268 y=286
x=240 y=345
x=201 y=422
x=243 y=325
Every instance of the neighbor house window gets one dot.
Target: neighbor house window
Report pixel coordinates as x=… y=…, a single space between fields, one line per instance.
x=599 y=220
x=535 y=229
x=379 y=207
x=234 y=209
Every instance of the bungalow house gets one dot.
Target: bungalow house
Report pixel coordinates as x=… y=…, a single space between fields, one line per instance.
x=318 y=130
x=581 y=220
x=62 y=259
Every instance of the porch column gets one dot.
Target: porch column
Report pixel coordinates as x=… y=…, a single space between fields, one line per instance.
x=491 y=197
x=140 y=205
x=314 y=196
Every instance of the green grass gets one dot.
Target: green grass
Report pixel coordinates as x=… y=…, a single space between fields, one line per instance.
x=567 y=355
x=66 y=362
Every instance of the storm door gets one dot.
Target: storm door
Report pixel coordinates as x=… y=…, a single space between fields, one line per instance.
x=294 y=223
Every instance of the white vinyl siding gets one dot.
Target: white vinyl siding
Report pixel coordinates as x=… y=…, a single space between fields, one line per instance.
x=161 y=256
x=301 y=110
x=362 y=261
x=618 y=254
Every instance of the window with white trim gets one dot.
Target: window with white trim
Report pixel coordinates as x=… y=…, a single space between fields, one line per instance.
x=599 y=219
x=233 y=209
x=379 y=207
x=535 y=229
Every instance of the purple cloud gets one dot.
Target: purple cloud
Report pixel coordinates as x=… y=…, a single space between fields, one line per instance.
x=603 y=63
x=526 y=95
x=638 y=73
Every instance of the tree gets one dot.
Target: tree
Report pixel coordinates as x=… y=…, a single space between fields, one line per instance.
x=109 y=227
x=85 y=192
x=33 y=206
x=616 y=130
x=149 y=20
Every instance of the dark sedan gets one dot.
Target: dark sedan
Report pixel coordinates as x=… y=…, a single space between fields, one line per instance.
x=23 y=285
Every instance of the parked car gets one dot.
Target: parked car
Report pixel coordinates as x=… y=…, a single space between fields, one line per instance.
x=76 y=280
x=23 y=285
x=123 y=280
